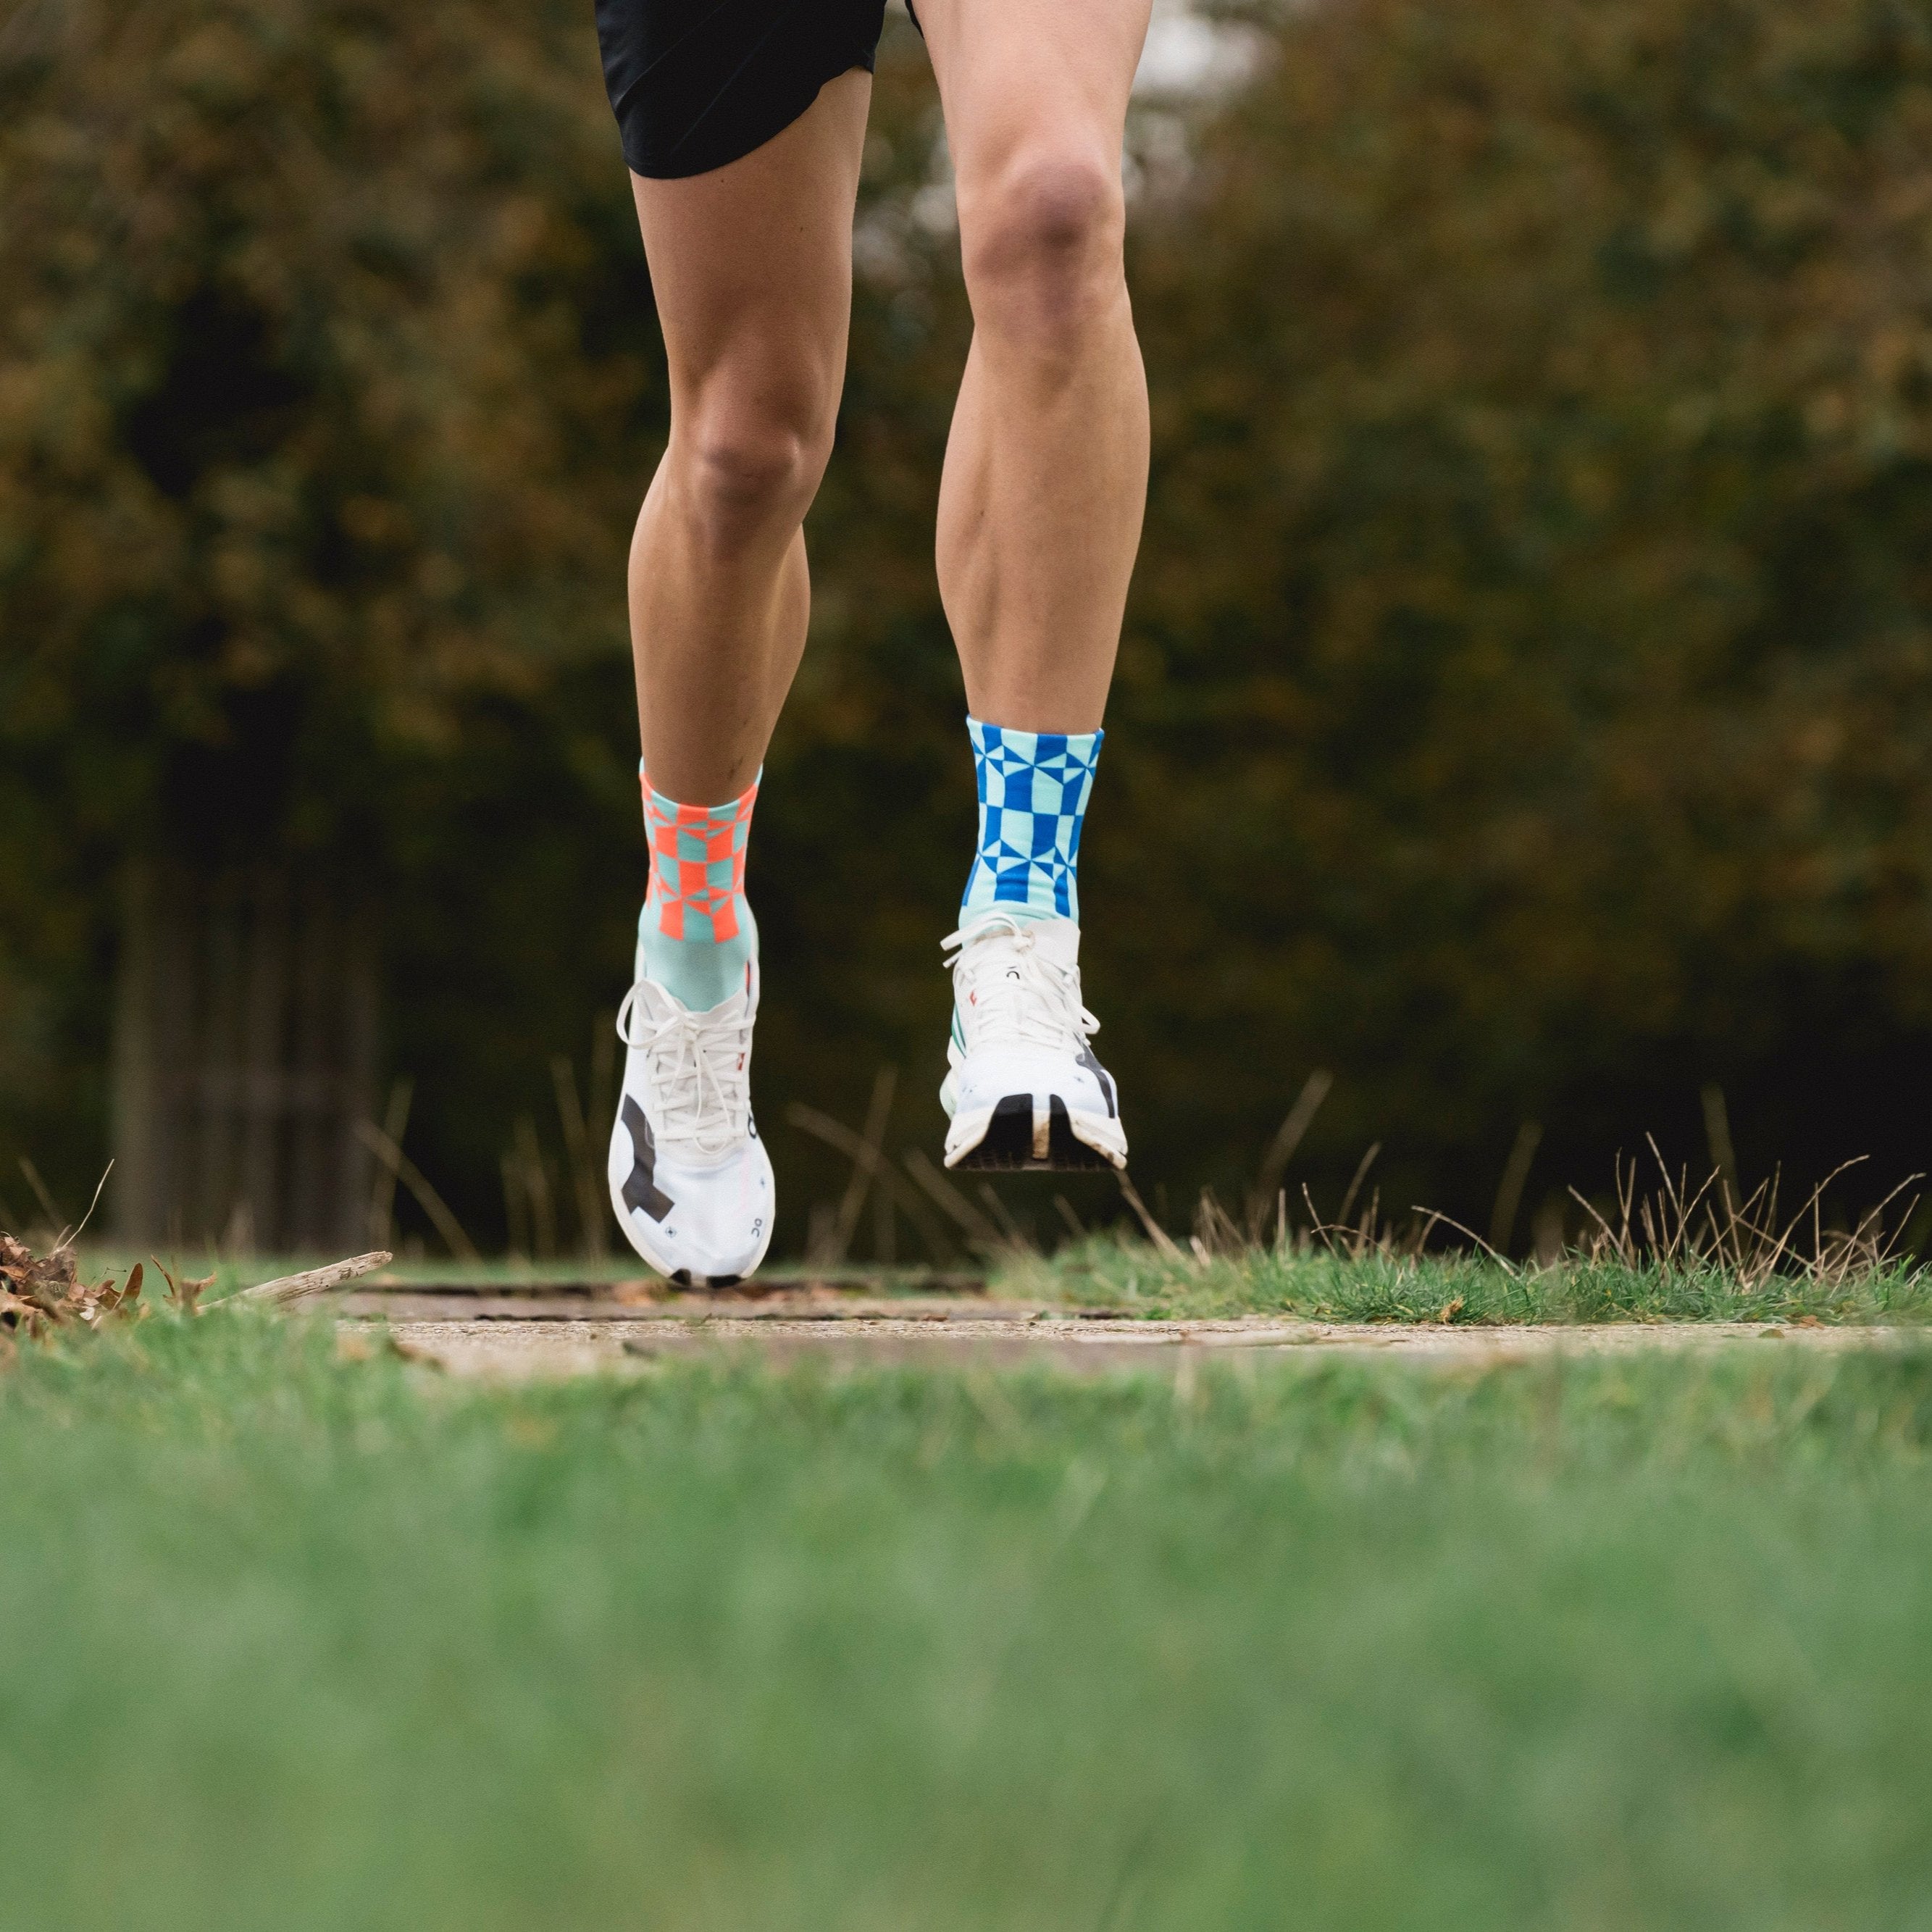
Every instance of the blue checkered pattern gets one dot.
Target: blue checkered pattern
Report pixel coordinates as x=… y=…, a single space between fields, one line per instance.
x=1033 y=787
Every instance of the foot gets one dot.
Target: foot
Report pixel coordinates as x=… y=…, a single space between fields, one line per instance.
x=690 y=1178
x=1025 y=1089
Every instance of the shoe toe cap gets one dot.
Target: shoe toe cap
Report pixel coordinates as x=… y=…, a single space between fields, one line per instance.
x=711 y=1221
x=719 y=1221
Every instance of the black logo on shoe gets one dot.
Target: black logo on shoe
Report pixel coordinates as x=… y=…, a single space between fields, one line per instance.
x=1103 y=1077
x=640 y=1189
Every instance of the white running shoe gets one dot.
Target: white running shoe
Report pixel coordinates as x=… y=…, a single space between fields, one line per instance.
x=690 y=1179
x=1025 y=1089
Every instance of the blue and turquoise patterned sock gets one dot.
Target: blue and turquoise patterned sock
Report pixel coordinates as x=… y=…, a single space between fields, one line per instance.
x=1034 y=787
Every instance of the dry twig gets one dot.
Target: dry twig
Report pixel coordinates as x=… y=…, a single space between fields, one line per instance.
x=288 y=1287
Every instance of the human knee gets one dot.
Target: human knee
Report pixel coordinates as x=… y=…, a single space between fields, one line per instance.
x=1042 y=244
x=748 y=464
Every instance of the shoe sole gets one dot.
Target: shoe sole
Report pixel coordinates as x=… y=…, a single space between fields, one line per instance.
x=1009 y=1138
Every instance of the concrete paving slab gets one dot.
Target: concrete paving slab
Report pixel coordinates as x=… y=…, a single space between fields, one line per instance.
x=520 y=1348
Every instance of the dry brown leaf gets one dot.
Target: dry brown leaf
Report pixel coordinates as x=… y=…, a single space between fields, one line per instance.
x=37 y=1291
x=49 y=1281
x=128 y=1300
x=185 y=1293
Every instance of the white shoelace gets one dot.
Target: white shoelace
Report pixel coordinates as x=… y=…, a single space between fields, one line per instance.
x=1013 y=992
x=700 y=1070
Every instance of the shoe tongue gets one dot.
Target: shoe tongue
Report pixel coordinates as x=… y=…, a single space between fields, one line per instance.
x=1057 y=939
x=661 y=1003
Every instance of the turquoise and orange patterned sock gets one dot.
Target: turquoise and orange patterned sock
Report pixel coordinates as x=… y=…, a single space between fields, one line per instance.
x=1033 y=788
x=696 y=935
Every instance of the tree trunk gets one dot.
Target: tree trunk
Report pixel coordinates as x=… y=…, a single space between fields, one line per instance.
x=244 y=1055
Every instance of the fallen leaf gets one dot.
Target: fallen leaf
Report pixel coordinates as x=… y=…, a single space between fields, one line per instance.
x=127 y=1300
x=185 y=1292
x=43 y=1288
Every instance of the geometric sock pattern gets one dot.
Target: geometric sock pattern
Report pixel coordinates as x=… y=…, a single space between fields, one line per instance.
x=696 y=936
x=1033 y=789
x=697 y=865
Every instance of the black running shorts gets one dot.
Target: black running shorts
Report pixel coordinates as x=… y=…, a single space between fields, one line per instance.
x=696 y=83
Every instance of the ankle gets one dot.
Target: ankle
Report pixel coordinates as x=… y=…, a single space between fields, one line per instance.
x=1033 y=787
x=696 y=937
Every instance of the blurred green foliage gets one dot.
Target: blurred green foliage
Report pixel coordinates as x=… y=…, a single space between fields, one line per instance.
x=1536 y=596
x=1524 y=706
x=1601 y=1642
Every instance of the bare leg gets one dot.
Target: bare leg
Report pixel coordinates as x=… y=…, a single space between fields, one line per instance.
x=752 y=265
x=1045 y=478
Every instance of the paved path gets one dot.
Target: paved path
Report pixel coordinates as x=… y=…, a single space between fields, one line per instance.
x=521 y=1337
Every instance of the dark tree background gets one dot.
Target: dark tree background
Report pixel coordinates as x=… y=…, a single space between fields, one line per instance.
x=1524 y=707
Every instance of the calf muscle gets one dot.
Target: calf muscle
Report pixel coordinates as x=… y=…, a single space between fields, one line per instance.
x=1046 y=476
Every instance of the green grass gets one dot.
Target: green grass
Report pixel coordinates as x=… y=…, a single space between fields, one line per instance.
x=96 y=1259
x=226 y=1274
x=297 y=1643
x=1128 y=1276
x=1132 y=1277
